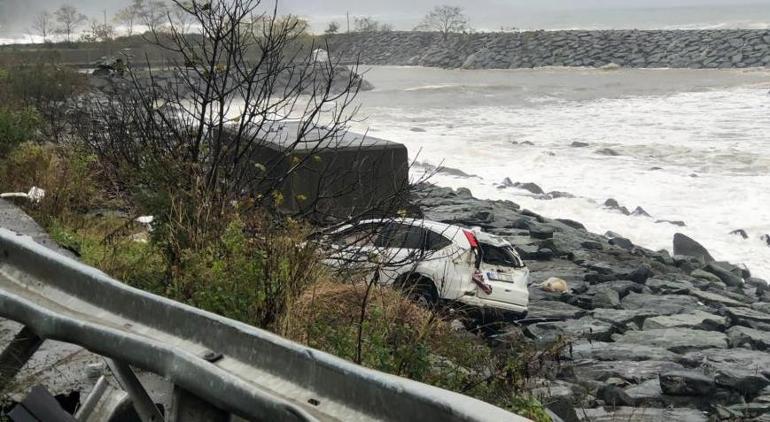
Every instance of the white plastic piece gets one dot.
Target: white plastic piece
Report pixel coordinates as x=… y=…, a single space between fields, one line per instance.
x=35 y=194
x=145 y=219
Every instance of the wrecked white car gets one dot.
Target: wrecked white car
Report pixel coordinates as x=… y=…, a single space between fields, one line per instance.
x=436 y=262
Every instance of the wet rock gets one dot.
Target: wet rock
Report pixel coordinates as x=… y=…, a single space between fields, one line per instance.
x=660 y=305
x=640 y=212
x=622 y=316
x=541 y=232
x=664 y=257
x=599 y=297
x=740 y=232
x=752 y=410
x=631 y=371
x=686 y=246
x=677 y=340
x=585 y=327
x=760 y=284
x=748 y=317
x=637 y=414
x=624 y=287
x=614 y=205
x=464 y=193
x=687 y=383
x=740 y=369
x=698 y=320
x=550 y=389
x=608 y=152
x=622 y=242
x=739 y=270
x=592 y=245
x=641 y=274
x=705 y=275
x=578 y=144
x=614 y=396
x=761 y=307
x=669 y=286
x=724 y=274
x=603 y=351
x=555 y=194
x=678 y=223
x=647 y=393
x=739 y=336
x=529 y=186
x=571 y=223
x=553 y=309
x=715 y=299
x=417 y=129
x=454 y=172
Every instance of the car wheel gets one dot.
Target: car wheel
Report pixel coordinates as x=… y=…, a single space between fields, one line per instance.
x=422 y=295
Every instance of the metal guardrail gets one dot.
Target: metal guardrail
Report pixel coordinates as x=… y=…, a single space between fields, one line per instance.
x=217 y=365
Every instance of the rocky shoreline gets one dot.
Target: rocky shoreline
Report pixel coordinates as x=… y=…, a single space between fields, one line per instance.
x=713 y=49
x=652 y=336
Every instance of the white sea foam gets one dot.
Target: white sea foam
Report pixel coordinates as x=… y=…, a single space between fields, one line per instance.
x=708 y=135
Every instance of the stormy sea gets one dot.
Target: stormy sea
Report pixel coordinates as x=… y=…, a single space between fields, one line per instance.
x=681 y=150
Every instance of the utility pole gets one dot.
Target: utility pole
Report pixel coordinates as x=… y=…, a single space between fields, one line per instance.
x=347 y=15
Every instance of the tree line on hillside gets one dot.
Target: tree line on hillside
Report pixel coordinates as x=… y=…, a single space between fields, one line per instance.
x=443 y=19
x=159 y=16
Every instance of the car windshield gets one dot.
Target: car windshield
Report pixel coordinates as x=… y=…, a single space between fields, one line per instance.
x=499 y=255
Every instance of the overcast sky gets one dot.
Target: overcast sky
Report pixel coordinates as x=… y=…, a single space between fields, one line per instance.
x=484 y=14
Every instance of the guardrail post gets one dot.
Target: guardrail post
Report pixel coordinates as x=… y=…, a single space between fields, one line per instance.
x=143 y=404
x=186 y=406
x=17 y=354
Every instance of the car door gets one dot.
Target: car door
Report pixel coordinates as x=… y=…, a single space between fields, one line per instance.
x=452 y=265
x=405 y=250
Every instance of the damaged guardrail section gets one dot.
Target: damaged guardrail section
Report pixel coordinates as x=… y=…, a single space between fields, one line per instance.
x=226 y=365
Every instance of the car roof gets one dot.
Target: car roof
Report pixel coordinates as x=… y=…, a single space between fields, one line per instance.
x=491 y=239
x=450 y=231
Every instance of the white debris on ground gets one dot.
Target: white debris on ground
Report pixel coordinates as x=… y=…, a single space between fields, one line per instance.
x=146 y=221
x=35 y=194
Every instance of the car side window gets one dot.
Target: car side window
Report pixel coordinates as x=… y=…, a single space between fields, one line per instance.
x=360 y=235
x=391 y=236
x=435 y=241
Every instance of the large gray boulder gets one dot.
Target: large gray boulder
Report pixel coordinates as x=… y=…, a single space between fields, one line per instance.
x=687 y=383
x=669 y=286
x=619 y=351
x=724 y=274
x=586 y=327
x=698 y=320
x=715 y=299
x=637 y=414
x=631 y=371
x=677 y=340
x=623 y=316
x=749 y=317
x=739 y=336
x=761 y=307
x=742 y=370
x=554 y=309
x=686 y=246
x=660 y=305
